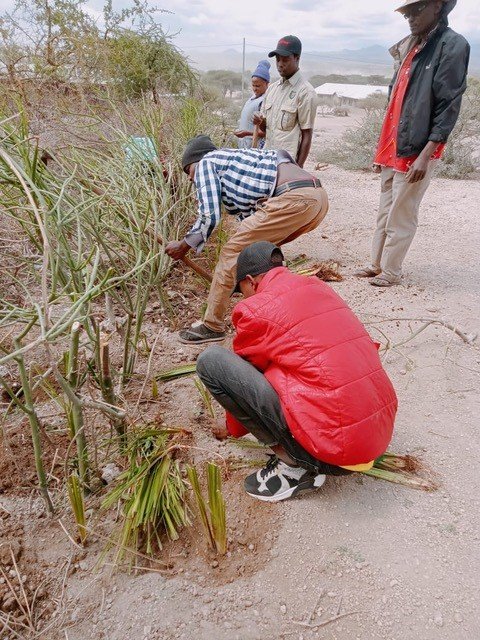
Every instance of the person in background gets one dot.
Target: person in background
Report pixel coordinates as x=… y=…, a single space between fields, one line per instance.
x=260 y=81
x=425 y=99
x=304 y=378
x=289 y=108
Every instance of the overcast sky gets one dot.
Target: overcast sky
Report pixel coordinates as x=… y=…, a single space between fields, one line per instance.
x=322 y=25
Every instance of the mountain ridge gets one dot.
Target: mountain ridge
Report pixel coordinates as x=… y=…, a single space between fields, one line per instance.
x=370 y=60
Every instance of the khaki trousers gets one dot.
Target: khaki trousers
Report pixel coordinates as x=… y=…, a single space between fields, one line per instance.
x=397 y=220
x=278 y=220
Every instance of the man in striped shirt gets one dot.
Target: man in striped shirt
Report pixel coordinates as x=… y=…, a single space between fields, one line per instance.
x=272 y=197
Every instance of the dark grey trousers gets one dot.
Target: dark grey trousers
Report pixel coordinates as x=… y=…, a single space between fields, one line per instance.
x=245 y=393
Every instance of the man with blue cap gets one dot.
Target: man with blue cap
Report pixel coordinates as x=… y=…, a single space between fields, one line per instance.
x=260 y=81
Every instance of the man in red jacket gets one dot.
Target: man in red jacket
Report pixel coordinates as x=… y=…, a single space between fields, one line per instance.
x=305 y=378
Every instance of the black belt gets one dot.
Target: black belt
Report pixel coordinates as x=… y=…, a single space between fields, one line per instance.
x=296 y=184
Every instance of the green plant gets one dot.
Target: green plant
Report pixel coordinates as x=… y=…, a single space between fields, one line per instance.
x=404 y=470
x=460 y=158
x=75 y=495
x=206 y=397
x=130 y=54
x=151 y=492
x=74 y=409
x=177 y=372
x=356 y=148
x=213 y=514
x=216 y=505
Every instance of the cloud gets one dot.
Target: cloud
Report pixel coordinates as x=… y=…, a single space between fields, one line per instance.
x=200 y=19
x=320 y=24
x=336 y=23
x=303 y=5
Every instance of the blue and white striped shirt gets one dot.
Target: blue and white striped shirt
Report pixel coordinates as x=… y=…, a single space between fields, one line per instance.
x=236 y=178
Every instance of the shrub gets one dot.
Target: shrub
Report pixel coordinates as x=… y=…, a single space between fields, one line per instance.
x=374 y=102
x=356 y=148
x=460 y=159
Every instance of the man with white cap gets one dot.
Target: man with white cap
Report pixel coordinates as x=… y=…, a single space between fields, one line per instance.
x=425 y=98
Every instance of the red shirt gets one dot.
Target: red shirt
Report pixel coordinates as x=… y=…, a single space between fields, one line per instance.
x=337 y=399
x=387 y=145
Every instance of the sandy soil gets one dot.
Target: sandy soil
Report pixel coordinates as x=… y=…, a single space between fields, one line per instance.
x=358 y=558
x=329 y=128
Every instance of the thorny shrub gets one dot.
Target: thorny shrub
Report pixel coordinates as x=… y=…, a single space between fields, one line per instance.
x=356 y=148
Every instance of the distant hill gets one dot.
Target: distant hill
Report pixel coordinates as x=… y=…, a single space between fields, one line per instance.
x=375 y=54
x=373 y=60
x=368 y=61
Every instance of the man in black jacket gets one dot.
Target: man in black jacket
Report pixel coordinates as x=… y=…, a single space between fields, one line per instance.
x=425 y=98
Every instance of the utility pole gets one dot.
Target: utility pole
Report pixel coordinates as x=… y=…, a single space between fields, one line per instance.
x=243 y=73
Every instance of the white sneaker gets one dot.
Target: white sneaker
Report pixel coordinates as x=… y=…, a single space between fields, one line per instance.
x=277 y=481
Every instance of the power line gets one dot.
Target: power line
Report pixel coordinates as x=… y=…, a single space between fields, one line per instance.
x=210 y=46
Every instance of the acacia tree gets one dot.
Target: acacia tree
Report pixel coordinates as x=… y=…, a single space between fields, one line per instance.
x=224 y=80
x=59 y=40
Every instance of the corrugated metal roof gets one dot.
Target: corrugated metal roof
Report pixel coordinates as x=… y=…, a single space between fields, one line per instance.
x=354 y=91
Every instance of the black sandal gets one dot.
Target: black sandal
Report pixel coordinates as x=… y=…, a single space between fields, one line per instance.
x=200 y=334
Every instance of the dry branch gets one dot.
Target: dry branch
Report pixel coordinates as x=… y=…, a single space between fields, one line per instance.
x=468 y=338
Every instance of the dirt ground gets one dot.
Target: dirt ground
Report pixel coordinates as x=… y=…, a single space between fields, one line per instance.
x=358 y=558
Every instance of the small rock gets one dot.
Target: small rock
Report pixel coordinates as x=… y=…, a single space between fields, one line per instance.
x=283 y=609
x=214 y=564
x=394 y=583
x=438 y=619
x=5 y=554
x=110 y=472
x=458 y=617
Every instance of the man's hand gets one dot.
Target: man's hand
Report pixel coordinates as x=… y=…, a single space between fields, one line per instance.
x=259 y=119
x=177 y=250
x=242 y=133
x=417 y=170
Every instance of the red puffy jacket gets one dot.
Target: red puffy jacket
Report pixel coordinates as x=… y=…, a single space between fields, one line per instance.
x=337 y=399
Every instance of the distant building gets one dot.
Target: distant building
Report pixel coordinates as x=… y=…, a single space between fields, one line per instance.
x=347 y=94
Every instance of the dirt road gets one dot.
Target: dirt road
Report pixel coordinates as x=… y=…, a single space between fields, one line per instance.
x=358 y=558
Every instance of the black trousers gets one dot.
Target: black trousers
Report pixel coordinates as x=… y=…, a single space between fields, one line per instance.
x=245 y=393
